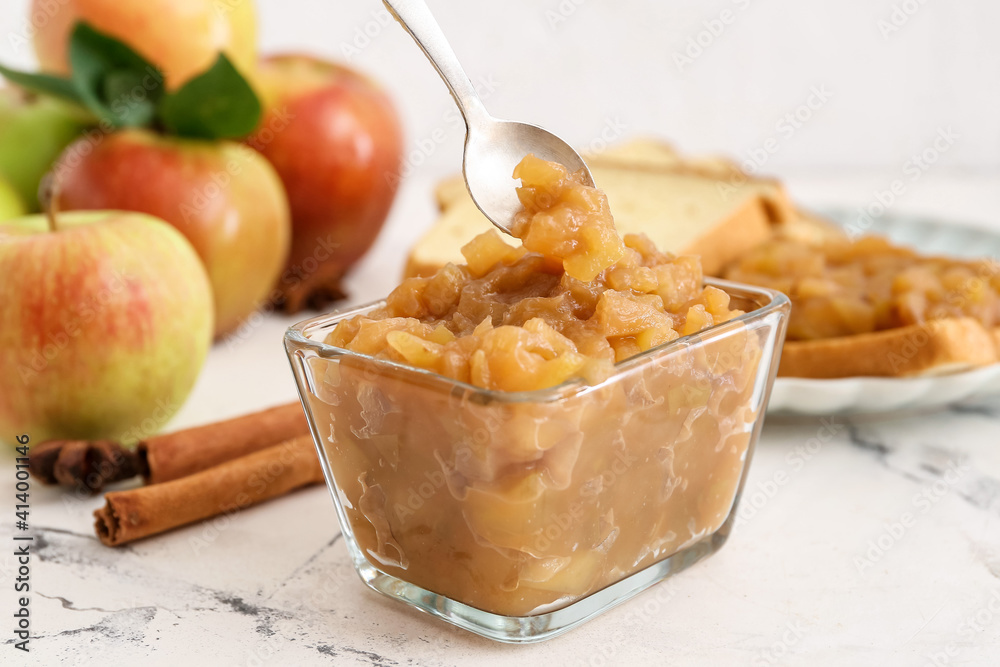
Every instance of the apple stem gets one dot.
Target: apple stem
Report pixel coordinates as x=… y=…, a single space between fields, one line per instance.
x=48 y=197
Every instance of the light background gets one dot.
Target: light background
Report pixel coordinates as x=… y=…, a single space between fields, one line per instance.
x=610 y=62
x=576 y=66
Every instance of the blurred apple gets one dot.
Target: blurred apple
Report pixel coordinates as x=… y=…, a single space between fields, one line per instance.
x=181 y=37
x=33 y=131
x=106 y=322
x=224 y=197
x=11 y=205
x=335 y=139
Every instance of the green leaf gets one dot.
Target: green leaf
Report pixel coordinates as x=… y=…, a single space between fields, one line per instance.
x=124 y=89
x=216 y=104
x=121 y=88
x=43 y=83
x=112 y=80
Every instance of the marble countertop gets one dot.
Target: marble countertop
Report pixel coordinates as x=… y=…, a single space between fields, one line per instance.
x=879 y=545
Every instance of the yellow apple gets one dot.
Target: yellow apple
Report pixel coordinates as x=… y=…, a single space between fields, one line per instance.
x=181 y=37
x=106 y=321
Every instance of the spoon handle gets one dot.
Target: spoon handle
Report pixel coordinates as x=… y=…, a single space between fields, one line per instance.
x=416 y=19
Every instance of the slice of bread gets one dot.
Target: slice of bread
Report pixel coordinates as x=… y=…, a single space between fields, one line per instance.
x=450 y=191
x=654 y=153
x=937 y=347
x=648 y=153
x=684 y=213
x=641 y=152
x=705 y=208
x=644 y=153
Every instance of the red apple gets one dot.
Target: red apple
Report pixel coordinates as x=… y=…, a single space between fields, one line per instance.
x=106 y=323
x=224 y=197
x=335 y=139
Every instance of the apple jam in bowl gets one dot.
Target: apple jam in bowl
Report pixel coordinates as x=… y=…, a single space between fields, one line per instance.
x=524 y=441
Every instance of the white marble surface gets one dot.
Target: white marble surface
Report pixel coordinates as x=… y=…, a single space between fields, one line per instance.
x=798 y=583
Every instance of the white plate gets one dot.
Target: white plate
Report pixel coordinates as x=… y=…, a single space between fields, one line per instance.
x=869 y=395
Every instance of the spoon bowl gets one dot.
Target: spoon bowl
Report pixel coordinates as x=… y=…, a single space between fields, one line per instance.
x=492 y=147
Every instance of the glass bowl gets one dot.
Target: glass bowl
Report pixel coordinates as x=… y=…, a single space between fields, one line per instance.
x=521 y=515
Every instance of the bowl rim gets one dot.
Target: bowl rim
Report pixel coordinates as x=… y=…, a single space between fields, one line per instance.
x=299 y=345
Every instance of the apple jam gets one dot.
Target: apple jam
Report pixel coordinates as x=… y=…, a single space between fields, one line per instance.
x=841 y=287
x=602 y=462
x=572 y=301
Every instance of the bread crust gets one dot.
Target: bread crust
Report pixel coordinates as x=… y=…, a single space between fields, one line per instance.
x=748 y=226
x=933 y=348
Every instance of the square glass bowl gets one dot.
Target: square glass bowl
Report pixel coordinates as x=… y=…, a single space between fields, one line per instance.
x=521 y=515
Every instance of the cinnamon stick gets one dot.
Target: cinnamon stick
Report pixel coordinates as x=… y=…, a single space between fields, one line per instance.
x=227 y=488
x=90 y=465
x=182 y=453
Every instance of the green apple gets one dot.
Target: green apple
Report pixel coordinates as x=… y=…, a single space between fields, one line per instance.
x=34 y=130
x=11 y=205
x=106 y=320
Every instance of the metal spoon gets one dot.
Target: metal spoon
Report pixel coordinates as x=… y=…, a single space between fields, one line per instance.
x=493 y=147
